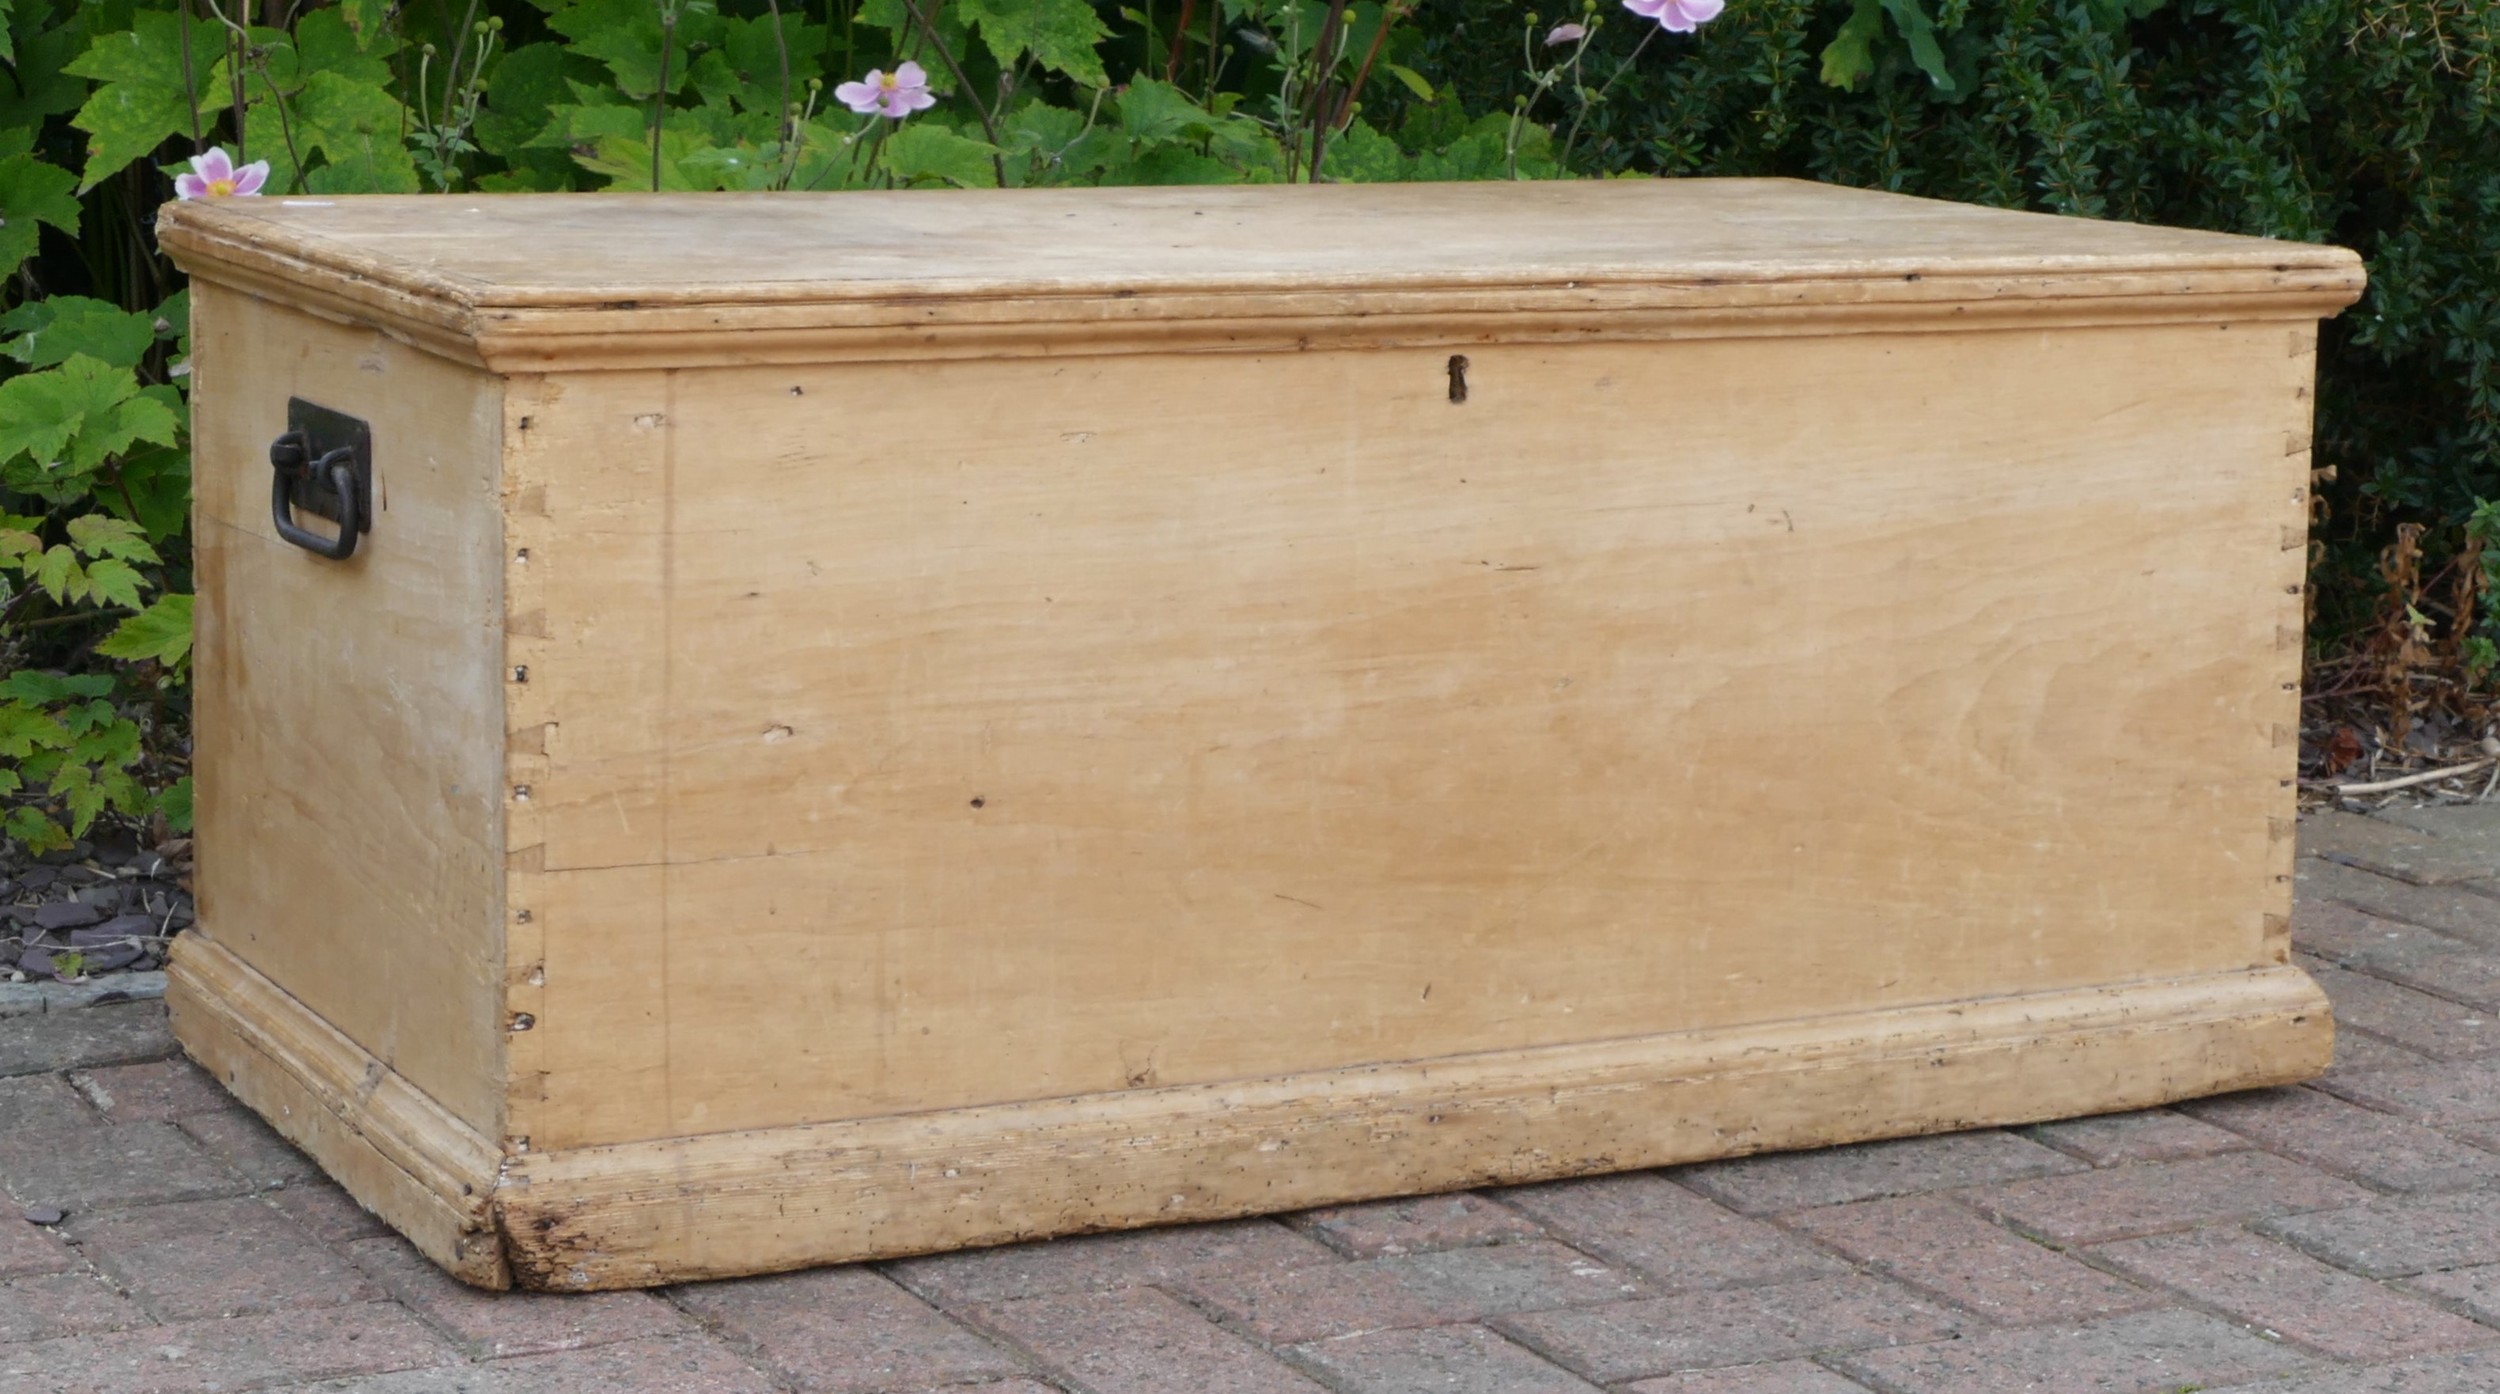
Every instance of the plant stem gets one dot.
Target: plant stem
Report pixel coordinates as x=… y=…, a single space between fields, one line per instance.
x=286 y=128
x=1564 y=159
x=781 y=48
x=963 y=84
x=190 y=82
x=1215 y=57
x=1180 y=39
x=659 y=99
x=1363 y=74
x=459 y=48
x=1324 y=57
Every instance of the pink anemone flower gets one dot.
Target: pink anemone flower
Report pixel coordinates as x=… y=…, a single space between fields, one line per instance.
x=1566 y=34
x=213 y=175
x=896 y=94
x=1680 y=16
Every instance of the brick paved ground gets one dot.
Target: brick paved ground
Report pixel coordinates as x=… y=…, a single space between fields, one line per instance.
x=2342 y=1238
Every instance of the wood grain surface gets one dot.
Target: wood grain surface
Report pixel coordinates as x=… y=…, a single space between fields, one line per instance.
x=1065 y=690
x=1053 y=728
x=349 y=723
x=538 y=282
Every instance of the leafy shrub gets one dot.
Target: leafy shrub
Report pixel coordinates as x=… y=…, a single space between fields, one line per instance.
x=2369 y=122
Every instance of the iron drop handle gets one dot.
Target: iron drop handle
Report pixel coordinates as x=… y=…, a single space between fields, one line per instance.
x=322 y=465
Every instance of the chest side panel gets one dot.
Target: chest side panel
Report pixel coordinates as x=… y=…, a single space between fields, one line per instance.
x=953 y=733
x=350 y=722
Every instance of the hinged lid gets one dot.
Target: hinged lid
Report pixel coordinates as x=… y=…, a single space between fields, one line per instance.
x=534 y=281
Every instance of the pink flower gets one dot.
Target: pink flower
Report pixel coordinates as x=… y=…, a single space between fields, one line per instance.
x=1682 y=16
x=213 y=175
x=1566 y=34
x=896 y=94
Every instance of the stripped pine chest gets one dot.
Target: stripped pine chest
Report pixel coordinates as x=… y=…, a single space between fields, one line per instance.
x=865 y=724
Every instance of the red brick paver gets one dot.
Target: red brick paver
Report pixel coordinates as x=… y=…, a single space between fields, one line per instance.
x=2336 y=1238
x=82 y=1164
x=493 y=1325
x=1383 y=1229
x=2461 y=914
x=1837 y=1175
x=1436 y=1360
x=2288 y=1294
x=1955 y=1254
x=1102 y=1261
x=2378 y=1149
x=2144 y=1353
x=2154 y=1135
x=2473 y=1291
x=1628 y=1340
x=216 y=1357
x=158 y=1091
x=2466 y=1091
x=845 y=1331
x=1668 y=1234
x=1139 y=1341
x=2400 y=1236
x=1784 y=1377
x=26 y=1250
x=1413 y=1290
x=62 y=1304
x=2125 y=1202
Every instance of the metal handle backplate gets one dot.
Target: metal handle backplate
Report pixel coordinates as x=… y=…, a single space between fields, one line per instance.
x=322 y=466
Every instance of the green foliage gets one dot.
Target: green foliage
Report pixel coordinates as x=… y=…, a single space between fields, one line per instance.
x=2367 y=122
x=33 y=194
x=2370 y=123
x=2481 y=650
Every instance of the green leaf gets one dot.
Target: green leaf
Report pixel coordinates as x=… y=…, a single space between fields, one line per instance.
x=175 y=804
x=1152 y=110
x=326 y=43
x=8 y=48
x=31 y=193
x=923 y=152
x=745 y=165
x=40 y=87
x=1415 y=81
x=18 y=540
x=51 y=689
x=1053 y=145
x=155 y=491
x=160 y=633
x=78 y=414
x=894 y=17
x=114 y=583
x=751 y=54
x=1910 y=17
x=528 y=81
x=49 y=330
x=1362 y=155
x=57 y=574
x=1850 y=57
x=100 y=535
x=31 y=830
x=141 y=99
x=355 y=125
x=688 y=163
x=175 y=317
x=368 y=20
x=25 y=729
x=1060 y=34
x=626 y=35
x=828 y=159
